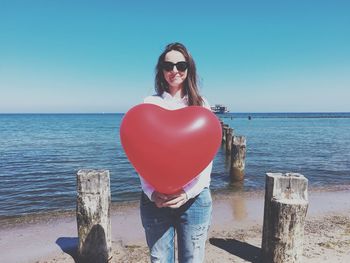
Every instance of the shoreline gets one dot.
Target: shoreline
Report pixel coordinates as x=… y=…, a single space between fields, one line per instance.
x=16 y=220
x=236 y=223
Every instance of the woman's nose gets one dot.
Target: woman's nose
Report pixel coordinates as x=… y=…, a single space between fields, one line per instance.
x=174 y=68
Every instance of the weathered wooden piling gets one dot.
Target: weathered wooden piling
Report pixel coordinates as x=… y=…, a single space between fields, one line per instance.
x=229 y=135
x=286 y=203
x=238 y=153
x=93 y=216
x=224 y=128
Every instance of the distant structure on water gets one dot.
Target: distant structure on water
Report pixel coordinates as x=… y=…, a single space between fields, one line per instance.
x=219 y=108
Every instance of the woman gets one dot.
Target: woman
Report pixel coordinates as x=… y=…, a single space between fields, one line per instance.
x=187 y=212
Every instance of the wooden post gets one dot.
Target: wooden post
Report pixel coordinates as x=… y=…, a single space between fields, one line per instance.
x=93 y=216
x=286 y=203
x=229 y=134
x=224 y=128
x=238 y=153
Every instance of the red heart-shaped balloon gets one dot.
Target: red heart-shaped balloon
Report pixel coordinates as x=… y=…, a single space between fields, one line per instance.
x=169 y=148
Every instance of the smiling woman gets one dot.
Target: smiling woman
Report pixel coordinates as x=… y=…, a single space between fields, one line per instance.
x=175 y=71
x=186 y=212
x=176 y=74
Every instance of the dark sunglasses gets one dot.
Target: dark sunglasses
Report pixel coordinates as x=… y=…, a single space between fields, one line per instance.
x=169 y=66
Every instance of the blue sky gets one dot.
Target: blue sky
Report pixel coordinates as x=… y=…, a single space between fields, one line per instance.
x=99 y=56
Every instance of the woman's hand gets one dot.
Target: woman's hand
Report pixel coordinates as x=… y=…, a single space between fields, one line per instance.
x=159 y=199
x=173 y=201
x=176 y=200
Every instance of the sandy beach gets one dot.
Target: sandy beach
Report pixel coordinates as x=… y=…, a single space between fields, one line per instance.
x=234 y=236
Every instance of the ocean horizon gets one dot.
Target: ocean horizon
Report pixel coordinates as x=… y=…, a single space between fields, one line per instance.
x=41 y=153
x=239 y=114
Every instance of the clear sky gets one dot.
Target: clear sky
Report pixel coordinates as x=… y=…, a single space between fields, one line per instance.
x=99 y=56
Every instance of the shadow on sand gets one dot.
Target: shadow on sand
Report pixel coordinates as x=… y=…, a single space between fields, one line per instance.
x=243 y=250
x=94 y=249
x=69 y=245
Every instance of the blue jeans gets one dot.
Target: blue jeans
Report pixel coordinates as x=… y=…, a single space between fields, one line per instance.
x=190 y=221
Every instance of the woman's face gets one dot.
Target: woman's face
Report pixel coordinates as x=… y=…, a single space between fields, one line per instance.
x=175 y=77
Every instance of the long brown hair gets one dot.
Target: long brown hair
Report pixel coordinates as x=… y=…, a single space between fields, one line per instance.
x=190 y=83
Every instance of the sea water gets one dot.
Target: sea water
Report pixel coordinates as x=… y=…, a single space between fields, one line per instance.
x=40 y=155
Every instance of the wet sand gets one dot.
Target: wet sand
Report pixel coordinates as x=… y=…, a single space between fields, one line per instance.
x=234 y=236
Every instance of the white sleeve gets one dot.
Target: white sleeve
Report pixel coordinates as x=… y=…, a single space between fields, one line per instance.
x=146 y=188
x=196 y=186
x=148 y=99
